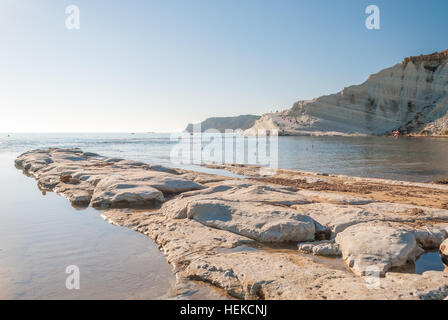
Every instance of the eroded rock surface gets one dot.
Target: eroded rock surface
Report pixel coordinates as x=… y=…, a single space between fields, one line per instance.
x=320 y=248
x=87 y=178
x=237 y=192
x=444 y=252
x=410 y=96
x=375 y=248
x=239 y=234
x=265 y=223
x=265 y=275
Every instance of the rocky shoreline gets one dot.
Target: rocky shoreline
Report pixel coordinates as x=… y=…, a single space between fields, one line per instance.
x=291 y=235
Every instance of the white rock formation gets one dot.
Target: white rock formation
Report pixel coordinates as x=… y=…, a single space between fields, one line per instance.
x=114 y=192
x=86 y=178
x=264 y=223
x=235 y=191
x=372 y=249
x=221 y=124
x=214 y=229
x=320 y=248
x=411 y=96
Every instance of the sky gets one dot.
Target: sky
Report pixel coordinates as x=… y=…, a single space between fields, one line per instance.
x=143 y=65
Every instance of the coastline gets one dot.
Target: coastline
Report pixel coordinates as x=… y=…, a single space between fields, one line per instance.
x=217 y=229
x=305 y=133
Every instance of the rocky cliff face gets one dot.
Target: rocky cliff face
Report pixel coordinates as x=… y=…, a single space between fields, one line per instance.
x=242 y=122
x=411 y=97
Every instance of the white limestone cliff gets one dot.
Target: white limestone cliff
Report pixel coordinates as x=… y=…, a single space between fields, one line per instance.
x=411 y=97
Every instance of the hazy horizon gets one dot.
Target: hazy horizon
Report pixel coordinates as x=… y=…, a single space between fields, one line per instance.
x=142 y=66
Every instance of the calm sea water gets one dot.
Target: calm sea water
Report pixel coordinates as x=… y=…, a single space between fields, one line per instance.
x=415 y=159
x=40 y=235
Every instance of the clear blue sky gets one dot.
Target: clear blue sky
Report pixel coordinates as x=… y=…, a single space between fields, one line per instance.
x=142 y=65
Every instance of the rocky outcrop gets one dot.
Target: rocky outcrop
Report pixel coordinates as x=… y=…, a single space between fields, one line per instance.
x=444 y=252
x=436 y=57
x=263 y=275
x=234 y=191
x=102 y=182
x=261 y=222
x=411 y=97
x=373 y=249
x=242 y=122
x=241 y=235
x=337 y=218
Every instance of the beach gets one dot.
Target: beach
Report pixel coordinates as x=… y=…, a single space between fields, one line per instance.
x=291 y=235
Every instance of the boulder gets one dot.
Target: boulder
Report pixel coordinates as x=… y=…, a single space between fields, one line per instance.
x=165 y=182
x=117 y=191
x=337 y=217
x=444 y=252
x=138 y=190
x=431 y=237
x=374 y=248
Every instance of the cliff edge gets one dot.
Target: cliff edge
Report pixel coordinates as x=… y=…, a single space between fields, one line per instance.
x=411 y=97
x=242 y=122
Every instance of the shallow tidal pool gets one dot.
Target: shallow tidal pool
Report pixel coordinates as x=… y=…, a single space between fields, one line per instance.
x=41 y=235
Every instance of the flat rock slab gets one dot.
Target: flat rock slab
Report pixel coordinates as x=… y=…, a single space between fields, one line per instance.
x=264 y=223
x=137 y=190
x=181 y=240
x=338 y=217
x=264 y=275
x=89 y=179
x=234 y=191
x=125 y=195
x=373 y=249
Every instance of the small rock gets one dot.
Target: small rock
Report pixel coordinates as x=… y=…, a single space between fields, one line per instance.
x=444 y=252
x=320 y=248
